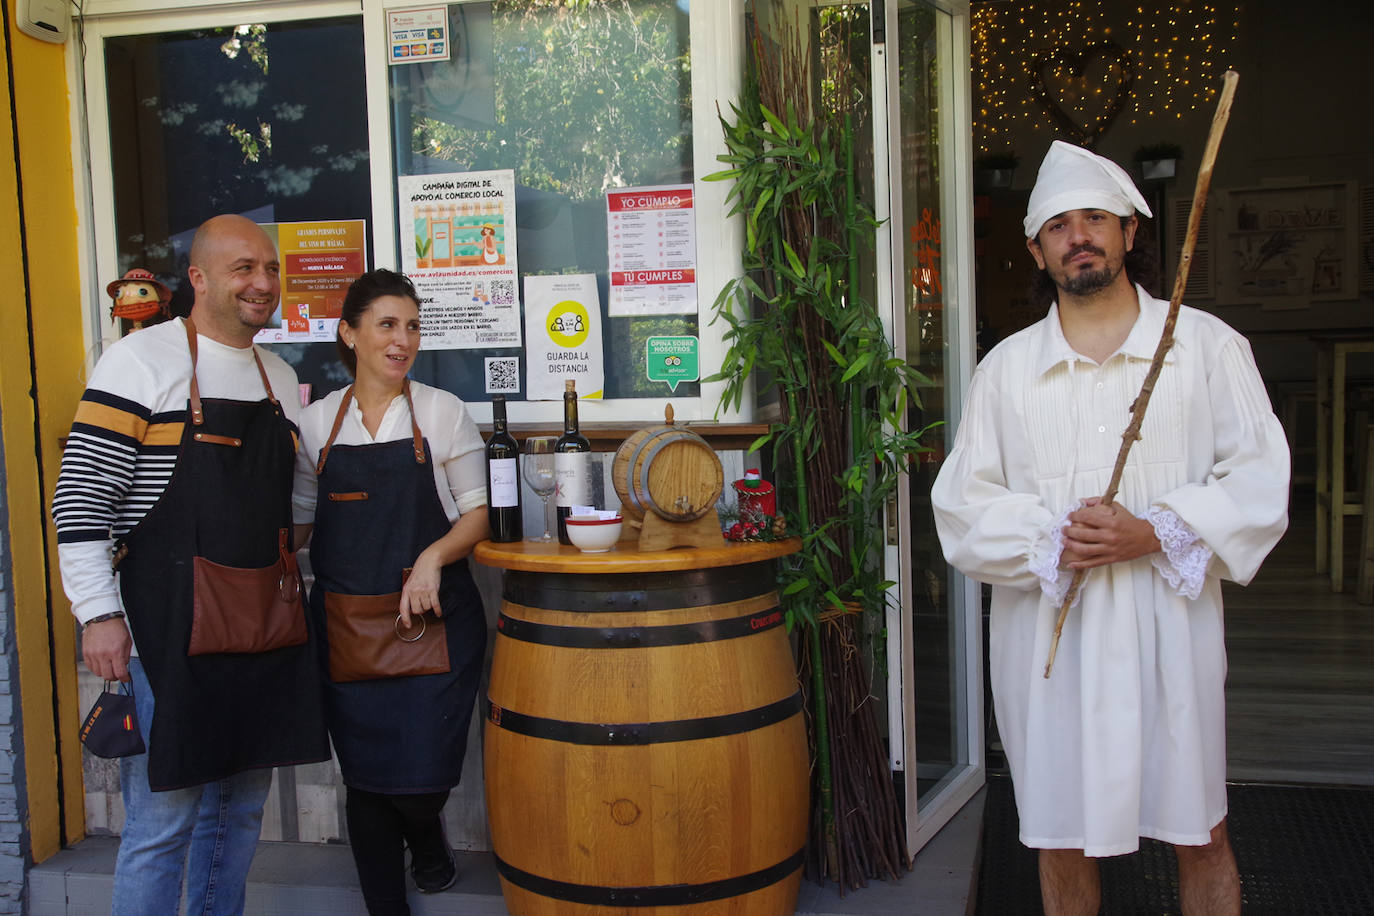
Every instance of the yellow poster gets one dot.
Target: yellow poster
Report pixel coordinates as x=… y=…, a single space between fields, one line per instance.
x=318 y=262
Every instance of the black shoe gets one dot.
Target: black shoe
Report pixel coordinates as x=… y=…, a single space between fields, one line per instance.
x=431 y=879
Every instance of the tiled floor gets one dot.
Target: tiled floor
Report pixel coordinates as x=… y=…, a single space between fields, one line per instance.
x=293 y=879
x=1300 y=679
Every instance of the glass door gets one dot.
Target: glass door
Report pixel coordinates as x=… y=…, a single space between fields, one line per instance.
x=940 y=662
x=195 y=113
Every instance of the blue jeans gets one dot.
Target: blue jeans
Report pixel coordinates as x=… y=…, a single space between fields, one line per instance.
x=210 y=832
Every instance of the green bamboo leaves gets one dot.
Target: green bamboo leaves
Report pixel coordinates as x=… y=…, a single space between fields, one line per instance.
x=797 y=325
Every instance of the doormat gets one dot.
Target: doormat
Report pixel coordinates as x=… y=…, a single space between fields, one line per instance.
x=1299 y=850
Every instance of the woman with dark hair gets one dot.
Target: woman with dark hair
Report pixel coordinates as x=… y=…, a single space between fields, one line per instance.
x=391 y=474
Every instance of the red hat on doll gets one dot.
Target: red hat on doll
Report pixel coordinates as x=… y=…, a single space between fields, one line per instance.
x=137 y=295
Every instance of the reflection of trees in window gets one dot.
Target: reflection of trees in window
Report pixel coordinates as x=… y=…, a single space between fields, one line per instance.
x=843 y=46
x=200 y=124
x=250 y=40
x=590 y=95
x=919 y=94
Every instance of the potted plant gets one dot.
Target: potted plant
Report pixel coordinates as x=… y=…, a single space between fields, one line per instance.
x=995 y=170
x=1158 y=160
x=800 y=331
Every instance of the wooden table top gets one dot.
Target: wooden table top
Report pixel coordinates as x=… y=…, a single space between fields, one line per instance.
x=625 y=557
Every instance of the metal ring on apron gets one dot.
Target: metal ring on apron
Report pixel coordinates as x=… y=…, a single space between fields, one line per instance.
x=288 y=594
x=397 y=627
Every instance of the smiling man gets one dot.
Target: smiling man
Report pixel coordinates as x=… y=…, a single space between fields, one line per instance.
x=1126 y=738
x=179 y=464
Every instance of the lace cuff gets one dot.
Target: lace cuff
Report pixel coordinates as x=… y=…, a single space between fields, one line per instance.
x=1185 y=558
x=1044 y=561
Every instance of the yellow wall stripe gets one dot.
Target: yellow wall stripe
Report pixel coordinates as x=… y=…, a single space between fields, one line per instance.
x=54 y=309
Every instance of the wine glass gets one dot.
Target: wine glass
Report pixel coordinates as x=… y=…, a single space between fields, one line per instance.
x=537 y=466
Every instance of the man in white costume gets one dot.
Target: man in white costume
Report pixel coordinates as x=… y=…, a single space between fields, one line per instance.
x=1126 y=738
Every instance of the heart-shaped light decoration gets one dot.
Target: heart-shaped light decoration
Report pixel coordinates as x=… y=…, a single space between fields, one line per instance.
x=1085 y=89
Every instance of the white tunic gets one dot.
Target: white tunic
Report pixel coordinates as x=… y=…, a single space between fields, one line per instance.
x=1127 y=736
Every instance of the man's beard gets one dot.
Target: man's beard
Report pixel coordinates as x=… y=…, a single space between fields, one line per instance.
x=1088 y=282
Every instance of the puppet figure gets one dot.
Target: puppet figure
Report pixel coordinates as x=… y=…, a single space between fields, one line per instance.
x=137 y=297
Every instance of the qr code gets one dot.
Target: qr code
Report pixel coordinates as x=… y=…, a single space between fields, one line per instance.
x=503 y=374
x=502 y=292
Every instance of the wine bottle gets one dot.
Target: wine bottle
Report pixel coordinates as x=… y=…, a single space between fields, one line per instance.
x=572 y=464
x=503 y=477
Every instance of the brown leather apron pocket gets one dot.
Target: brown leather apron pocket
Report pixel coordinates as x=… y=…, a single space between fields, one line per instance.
x=367 y=639
x=246 y=610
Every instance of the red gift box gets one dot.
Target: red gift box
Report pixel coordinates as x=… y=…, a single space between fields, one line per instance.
x=756 y=495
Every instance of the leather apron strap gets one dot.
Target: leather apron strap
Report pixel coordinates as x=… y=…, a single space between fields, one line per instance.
x=416 y=438
x=197 y=413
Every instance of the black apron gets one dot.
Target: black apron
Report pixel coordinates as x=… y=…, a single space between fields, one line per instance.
x=395 y=735
x=228 y=503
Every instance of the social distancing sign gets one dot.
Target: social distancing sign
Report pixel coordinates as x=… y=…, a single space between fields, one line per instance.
x=563 y=336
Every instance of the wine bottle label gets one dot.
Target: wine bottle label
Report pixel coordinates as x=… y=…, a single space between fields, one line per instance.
x=505 y=482
x=573 y=473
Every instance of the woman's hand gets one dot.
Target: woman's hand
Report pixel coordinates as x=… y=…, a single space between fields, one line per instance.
x=421 y=591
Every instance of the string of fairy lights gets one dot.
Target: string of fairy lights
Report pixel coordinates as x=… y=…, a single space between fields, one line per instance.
x=1082 y=53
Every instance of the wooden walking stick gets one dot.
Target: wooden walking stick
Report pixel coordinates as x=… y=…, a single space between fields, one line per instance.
x=1166 y=339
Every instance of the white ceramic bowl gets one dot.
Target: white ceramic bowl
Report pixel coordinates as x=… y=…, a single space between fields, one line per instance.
x=593 y=534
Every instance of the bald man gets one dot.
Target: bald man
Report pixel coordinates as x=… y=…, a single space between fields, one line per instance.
x=1127 y=737
x=173 y=513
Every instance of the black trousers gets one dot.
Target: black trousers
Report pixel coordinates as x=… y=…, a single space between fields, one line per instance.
x=380 y=828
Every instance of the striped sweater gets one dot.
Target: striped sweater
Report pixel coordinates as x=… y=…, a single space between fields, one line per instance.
x=124 y=441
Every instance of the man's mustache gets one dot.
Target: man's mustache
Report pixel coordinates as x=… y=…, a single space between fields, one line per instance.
x=1086 y=246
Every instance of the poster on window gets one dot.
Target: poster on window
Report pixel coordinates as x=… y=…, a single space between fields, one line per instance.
x=418 y=36
x=563 y=336
x=652 y=251
x=458 y=248
x=319 y=260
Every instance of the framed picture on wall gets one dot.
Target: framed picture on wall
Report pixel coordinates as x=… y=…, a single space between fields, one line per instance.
x=1288 y=246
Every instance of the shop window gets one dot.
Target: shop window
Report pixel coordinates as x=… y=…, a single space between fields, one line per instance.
x=577 y=101
x=235 y=119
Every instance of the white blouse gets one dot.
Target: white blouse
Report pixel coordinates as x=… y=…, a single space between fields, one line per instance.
x=455 y=445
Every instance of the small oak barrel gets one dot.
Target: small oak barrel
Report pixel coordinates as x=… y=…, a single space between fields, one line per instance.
x=644 y=750
x=669 y=471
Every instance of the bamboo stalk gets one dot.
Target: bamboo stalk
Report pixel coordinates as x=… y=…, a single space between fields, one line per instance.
x=814 y=642
x=1166 y=338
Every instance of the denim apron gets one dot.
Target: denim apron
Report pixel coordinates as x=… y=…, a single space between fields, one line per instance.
x=377 y=511
x=228 y=503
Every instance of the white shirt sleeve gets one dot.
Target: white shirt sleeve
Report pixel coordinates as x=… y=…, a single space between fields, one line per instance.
x=466 y=468
x=96 y=473
x=989 y=532
x=305 y=487
x=1241 y=510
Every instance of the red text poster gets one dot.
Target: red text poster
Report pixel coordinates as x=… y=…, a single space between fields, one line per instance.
x=652 y=249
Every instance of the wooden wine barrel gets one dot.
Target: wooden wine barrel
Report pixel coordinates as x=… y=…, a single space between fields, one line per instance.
x=669 y=471
x=645 y=751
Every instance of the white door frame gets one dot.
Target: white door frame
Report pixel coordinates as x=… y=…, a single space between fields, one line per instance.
x=956 y=207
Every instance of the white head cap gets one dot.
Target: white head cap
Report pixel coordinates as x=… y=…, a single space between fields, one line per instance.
x=1071 y=178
